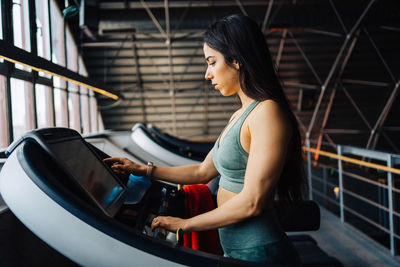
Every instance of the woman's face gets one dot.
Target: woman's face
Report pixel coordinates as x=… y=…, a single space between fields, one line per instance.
x=225 y=78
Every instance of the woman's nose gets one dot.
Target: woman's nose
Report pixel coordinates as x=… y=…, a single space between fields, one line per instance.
x=208 y=75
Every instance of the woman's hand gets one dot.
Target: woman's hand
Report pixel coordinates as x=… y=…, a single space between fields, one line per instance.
x=124 y=166
x=171 y=224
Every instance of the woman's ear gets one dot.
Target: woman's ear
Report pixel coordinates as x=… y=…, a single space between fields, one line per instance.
x=236 y=65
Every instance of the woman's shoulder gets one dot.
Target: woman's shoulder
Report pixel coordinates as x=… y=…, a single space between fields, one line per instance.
x=269 y=109
x=269 y=112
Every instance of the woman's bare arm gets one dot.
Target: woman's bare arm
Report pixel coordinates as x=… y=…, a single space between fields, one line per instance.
x=188 y=174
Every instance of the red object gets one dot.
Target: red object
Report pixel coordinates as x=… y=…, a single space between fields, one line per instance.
x=198 y=200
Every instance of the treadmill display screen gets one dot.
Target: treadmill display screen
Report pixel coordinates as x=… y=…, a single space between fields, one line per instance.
x=89 y=171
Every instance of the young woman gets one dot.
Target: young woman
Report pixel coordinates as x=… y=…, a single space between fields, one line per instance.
x=258 y=154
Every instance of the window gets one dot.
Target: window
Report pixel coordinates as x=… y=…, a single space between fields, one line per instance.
x=1 y=31
x=84 y=100
x=73 y=89
x=21 y=24
x=93 y=112
x=44 y=111
x=72 y=52
x=100 y=123
x=57 y=36
x=21 y=27
x=43 y=31
x=73 y=108
x=60 y=107
x=85 y=115
x=1 y=24
x=60 y=101
x=3 y=112
x=21 y=107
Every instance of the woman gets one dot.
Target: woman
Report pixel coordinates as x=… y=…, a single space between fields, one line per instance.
x=258 y=154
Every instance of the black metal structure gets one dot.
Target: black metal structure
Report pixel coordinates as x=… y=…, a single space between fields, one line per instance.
x=339 y=63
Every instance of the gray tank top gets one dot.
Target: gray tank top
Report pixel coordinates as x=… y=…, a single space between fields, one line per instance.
x=230 y=159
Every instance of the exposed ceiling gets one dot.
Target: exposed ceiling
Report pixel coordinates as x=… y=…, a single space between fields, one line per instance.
x=339 y=62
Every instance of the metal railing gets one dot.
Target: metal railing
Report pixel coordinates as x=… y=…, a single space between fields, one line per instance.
x=358 y=193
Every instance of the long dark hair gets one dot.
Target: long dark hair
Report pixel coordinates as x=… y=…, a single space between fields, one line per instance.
x=239 y=39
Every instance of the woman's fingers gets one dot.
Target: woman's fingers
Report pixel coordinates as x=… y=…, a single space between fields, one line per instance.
x=155 y=223
x=121 y=165
x=117 y=162
x=112 y=160
x=169 y=223
x=118 y=167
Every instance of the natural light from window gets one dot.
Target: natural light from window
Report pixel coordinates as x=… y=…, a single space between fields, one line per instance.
x=57 y=39
x=1 y=24
x=3 y=112
x=21 y=31
x=73 y=110
x=60 y=107
x=43 y=108
x=43 y=31
x=1 y=29
x=19 y=97
x=84 y=100
x=93 y=112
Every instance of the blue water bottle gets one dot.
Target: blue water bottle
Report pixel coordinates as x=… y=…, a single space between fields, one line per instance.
x=137 y=187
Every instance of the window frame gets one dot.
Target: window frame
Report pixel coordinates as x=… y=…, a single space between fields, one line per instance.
x=85 y=107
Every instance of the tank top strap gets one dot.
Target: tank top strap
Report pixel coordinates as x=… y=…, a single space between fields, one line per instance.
x=247 y=112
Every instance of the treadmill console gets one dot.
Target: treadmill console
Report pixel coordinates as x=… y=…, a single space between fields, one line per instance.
x=82 y=172
x=78 y=160
x=90 y=173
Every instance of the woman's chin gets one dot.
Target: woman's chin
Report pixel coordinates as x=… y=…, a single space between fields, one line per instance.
x=226 y=93
x=223 y=93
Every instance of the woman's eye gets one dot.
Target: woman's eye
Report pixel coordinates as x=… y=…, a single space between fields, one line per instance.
x=212 y=63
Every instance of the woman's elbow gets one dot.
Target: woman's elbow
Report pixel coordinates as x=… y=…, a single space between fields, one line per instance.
x=256 y=211
x=202 y=176
x=255 y=208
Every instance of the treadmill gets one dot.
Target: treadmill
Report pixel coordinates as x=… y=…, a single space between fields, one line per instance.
x=57 y=185
x=147 y=146
x=194 y=150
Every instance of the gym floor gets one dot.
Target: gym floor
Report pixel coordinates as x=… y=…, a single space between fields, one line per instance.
x=347 y=244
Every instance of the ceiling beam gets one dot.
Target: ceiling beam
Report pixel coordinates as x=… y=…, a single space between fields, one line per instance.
x=338 y=16
x=153 y=18
x=179 y=4
x=349 y=38
x=305 y=58
x=374 y=135
x=266 y=17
